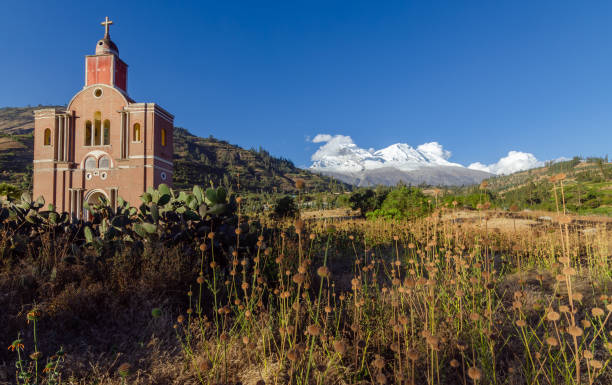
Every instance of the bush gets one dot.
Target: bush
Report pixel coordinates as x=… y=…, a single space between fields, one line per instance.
x=403 y=203
x=285 y=207
x=10 y=191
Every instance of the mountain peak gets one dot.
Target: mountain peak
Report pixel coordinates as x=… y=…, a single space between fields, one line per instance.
x=341 y=158
x=346 y=156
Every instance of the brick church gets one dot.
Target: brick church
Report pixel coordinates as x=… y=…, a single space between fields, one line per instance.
x=103 y=144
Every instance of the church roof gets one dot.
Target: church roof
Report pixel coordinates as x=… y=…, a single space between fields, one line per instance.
x=106 y=45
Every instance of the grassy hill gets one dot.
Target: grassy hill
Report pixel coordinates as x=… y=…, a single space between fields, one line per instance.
x=587 y=187
x=196 y=160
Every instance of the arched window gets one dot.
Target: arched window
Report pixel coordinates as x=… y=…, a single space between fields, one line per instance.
x=90 y=163
x=136 y=133
x=163 y=136
x=104 y=162
x=106 y=132
x=97 y=128
x=47 y=141
x=88 y=133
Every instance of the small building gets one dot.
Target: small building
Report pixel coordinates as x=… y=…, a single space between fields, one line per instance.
x=104 y=144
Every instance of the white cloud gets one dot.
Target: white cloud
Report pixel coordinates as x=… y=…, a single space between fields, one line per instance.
x=434 y=149
x=320 y=138
x=513 y=162
x=339 y=151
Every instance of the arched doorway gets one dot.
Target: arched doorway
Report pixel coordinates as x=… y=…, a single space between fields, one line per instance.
x=93 y=198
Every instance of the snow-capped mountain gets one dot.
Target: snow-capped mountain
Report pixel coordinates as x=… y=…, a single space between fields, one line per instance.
x=407 y=158
x=340 y=157
x=428 y=163
x=348 y=157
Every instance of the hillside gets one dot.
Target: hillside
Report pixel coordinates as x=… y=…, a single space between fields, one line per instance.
x=196 y=160
x=587 y=186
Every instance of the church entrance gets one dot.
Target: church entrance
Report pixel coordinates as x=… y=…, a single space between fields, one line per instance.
x=93 y=198
x=96 y=198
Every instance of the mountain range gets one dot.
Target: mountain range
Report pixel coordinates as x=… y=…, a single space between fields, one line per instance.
x=400 y=162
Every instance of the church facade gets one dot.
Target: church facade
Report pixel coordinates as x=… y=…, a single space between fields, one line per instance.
x=104 y=144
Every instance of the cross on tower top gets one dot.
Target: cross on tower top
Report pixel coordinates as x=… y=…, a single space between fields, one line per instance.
x=106 y=23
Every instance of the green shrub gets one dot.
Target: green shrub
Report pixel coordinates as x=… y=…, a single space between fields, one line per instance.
x=403 y=203
x=10 y=191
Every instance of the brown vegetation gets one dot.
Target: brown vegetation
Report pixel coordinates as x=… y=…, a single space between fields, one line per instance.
x=434 y=301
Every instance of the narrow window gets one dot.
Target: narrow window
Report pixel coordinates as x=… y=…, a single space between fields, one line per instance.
x=163 y=136
x=97 y=128
x=104 y=162
x=136 y=133
x=106 y=132
x=47 y=141
x=90 y=163
x=88 y=133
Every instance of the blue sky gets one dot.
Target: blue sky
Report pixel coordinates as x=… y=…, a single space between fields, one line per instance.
x=480 y=77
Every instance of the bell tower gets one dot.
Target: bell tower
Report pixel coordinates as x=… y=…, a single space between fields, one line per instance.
x=103 y=144
x=105 y=67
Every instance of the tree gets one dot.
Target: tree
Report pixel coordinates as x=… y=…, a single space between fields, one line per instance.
x=285 y=207
x=367 y=200
x=409 y=202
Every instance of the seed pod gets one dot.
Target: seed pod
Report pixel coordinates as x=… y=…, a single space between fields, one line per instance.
x=299 y=278
x=574 y=331
x=340 y=347
x=474 y=373
x=323 y=272
x=378 y=363
x=597 y=312
x=313 y=330
x=412 y=354
x=292 y=355
x=381 y=379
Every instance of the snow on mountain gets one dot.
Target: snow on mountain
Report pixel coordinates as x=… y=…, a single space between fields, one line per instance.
x=341 y=154
x=428 y=163
x=407 y=158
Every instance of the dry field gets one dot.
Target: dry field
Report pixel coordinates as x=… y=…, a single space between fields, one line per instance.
x=456 y=298
x=341 y=213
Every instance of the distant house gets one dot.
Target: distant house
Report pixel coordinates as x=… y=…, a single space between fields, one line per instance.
x=103 y=144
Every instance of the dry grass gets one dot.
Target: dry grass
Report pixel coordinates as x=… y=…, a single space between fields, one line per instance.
x=433 y=301
x=329 y=214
